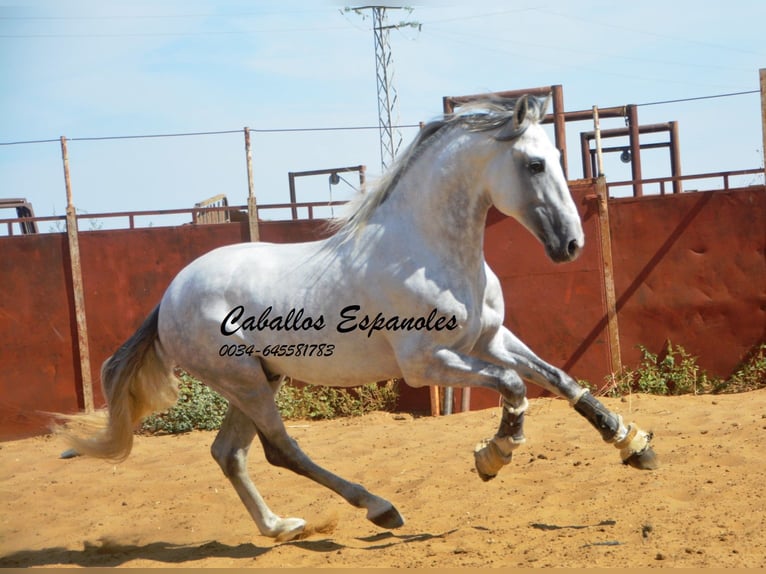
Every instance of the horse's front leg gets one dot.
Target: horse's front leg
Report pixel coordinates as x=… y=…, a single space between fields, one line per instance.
x=632 y=442
x=449 y=368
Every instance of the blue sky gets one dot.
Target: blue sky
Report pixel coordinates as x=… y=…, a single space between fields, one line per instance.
x=93 y=68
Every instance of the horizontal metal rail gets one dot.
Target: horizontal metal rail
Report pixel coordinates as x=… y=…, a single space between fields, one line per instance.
x=193 y=212
x=725 y=176
x=311 y=206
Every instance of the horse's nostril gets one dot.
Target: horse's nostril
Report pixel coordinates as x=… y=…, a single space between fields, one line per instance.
x=573 y=249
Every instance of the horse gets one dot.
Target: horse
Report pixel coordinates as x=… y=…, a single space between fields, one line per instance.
x=401 y=289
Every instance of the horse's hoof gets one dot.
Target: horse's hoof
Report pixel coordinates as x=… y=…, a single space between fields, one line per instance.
x=485 y=477
x=388 y=519
x=289 y=529
x=488 y=460
x=644 y=460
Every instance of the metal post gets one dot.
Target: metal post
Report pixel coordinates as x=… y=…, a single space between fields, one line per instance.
x=597 y=132
x=559 y=126
x=635 y=151
x=293 y=200
x=252 y=206
x=77 y=287
x=762 y=73
x=675 y=157
x=434 y=396
x=587 y=156
x=448 y=395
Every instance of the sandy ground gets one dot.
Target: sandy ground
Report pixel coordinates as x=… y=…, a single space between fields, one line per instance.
x=565 y=500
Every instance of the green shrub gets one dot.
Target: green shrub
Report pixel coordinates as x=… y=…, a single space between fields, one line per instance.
x=750 y=376
x=676 y=372
x=198 y=408
x=201 y=408
x=314 y=402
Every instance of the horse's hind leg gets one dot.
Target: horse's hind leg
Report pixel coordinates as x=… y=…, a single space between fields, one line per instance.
x=230 y=450
x=281 y=450
x=248 y=389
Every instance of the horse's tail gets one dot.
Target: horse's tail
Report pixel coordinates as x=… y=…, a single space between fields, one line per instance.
x=136 y=382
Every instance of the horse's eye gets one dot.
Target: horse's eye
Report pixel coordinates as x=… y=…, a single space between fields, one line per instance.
x=536 y=166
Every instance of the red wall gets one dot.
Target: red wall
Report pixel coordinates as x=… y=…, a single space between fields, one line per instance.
x=125 y=273
x=689 y=268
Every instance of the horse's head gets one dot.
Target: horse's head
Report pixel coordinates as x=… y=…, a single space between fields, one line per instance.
x=525 y=181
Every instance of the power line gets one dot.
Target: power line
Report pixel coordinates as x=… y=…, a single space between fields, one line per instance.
x=699 y=98
x=207 y=133
x=320 y=129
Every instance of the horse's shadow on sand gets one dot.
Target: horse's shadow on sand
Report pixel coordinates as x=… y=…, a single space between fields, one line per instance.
x=108 y=553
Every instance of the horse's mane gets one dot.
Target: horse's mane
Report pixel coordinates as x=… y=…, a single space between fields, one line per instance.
x=477 y=116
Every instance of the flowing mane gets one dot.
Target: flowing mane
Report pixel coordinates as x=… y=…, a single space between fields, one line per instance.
x=478 y=116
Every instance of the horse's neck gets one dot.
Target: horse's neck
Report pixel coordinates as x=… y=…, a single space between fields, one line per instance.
x=441 y=212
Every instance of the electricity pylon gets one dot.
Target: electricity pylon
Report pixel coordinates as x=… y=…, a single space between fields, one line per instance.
x=388 y=99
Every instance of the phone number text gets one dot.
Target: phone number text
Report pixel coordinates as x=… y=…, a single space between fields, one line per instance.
x=296 y=350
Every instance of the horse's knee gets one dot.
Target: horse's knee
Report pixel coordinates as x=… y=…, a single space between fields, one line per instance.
x=512 y=388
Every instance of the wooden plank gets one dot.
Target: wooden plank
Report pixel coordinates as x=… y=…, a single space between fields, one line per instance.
x=77 y=287
x=252 y=206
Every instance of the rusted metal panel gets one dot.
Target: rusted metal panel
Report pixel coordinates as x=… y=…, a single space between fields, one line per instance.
x=125 y=273
x=690 y=268
x=38 y=349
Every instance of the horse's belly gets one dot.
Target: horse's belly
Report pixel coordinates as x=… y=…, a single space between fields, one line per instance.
x=338 y=362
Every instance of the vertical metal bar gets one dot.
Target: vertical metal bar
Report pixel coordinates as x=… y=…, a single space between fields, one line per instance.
x=77 y=287
x=252 y=206
x=635 y=148
x=599 y=154
x=465 y=400
x=434 y=396
x=291 y=182
x=447 y=407
x=447 y=105
x=675 y=157
x=587 y=157
x=363 y=178
x=560 y=127
x=762 y=74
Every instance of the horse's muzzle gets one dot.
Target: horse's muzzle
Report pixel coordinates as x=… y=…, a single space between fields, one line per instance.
x=567 y=250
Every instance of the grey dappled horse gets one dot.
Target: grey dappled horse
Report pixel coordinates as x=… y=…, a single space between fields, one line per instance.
x=401 y=290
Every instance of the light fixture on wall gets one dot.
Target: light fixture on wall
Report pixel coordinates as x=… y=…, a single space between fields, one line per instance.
x=625 y=156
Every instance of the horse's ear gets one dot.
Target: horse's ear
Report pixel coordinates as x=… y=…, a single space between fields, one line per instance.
x=519 y=122
x=543 y=104
x=520 y=112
